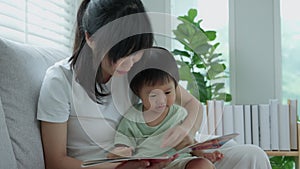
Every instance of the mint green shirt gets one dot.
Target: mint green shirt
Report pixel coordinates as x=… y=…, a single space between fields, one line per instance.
x=146 y=140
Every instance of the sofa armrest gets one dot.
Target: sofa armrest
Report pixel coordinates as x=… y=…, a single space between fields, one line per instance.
x=7 y=157
x=22 y=69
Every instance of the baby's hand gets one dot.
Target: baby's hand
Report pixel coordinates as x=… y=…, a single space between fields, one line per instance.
x=120 y=152
x=214 y=156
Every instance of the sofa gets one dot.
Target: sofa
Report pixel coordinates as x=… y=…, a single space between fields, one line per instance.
x=22 y=68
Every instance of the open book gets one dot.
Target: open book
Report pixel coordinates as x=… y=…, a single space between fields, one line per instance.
x=208 y=144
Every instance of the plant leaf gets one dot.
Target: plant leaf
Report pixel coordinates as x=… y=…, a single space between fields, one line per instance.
x=200 y=49
x=185 y=72
x=219 y=86
x=192 y=13
x=224 y=96
x=211 y=35
x=181 y=53
x=214 y=70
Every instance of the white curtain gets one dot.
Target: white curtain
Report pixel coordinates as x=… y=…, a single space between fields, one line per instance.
x=39 y=22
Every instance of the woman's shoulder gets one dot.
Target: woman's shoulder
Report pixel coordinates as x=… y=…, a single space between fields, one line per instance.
x=61 y=65
x=60 y=70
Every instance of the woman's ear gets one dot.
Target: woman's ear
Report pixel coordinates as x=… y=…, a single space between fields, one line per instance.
x=89 y=40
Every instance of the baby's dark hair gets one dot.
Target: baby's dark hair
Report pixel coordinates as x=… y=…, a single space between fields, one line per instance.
x=150 y=77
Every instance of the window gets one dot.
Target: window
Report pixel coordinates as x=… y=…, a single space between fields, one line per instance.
x=290 y=33
x=39 y=22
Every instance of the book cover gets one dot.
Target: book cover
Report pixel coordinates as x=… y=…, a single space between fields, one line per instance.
x=213 y=143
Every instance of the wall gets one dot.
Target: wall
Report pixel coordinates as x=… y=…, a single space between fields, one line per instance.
x=163 y=7
x=255 y=51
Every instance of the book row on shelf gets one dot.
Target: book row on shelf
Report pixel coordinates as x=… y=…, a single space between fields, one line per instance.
x=271 y=126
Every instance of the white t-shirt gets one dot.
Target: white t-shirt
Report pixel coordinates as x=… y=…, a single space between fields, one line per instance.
x=91 y=126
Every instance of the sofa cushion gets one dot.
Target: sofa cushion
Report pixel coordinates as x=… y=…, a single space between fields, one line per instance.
x=22 y=68
x=7 y=157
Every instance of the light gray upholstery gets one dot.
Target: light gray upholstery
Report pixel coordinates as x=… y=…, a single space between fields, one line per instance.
x=7 y=157
x=22 y=68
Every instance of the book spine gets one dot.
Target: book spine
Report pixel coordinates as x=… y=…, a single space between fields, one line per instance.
x=274 y=124
x=264 y=126
x=218 y=116
x=204 y=125
x=293 y=122
x=247 y=120
x=211 y=116
x=228 y=119
x=238 y=116
x=284 y=128
x=255 y=124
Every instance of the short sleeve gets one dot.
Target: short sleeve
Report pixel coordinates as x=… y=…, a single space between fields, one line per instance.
x=54 y=99
x=124 y=134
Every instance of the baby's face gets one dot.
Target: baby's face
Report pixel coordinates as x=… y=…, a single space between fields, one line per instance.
x=158 y=98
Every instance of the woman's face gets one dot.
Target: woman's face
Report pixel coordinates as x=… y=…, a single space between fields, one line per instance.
x=122 y=66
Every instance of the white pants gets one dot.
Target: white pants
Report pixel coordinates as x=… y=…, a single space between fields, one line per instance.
x=242 y=157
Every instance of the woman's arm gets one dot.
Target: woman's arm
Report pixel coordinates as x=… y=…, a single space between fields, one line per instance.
x=54 y=137
x=183 y=134
x=193 y=107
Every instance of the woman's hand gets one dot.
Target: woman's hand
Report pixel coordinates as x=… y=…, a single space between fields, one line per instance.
x=177 y=137
x=145 y=164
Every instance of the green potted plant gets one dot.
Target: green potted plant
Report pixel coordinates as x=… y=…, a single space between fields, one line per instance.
x=199 y=64
x=282 y=162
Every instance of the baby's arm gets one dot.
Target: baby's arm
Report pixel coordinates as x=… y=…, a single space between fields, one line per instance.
x=120 y=151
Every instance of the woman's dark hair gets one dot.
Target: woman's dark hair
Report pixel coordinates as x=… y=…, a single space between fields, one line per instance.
x=150 y=77
x=95 y=14
x=79 y=32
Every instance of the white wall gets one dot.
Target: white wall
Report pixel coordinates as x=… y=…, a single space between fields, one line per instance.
x=160 y=6
x=255 y=51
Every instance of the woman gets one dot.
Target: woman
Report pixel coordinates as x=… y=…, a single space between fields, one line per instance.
x=70 y=131
x=83 y=97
